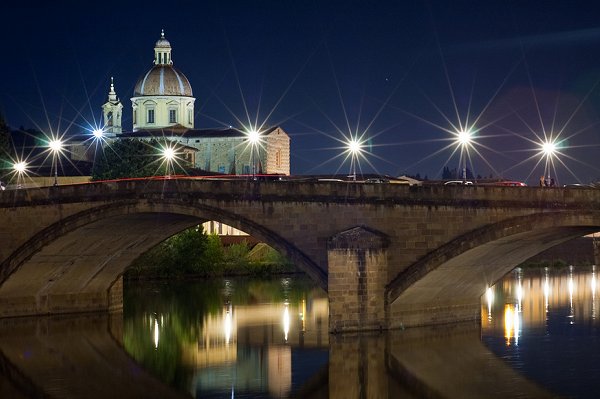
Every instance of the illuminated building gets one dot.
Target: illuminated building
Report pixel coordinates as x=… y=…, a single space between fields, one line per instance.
x=163 y=108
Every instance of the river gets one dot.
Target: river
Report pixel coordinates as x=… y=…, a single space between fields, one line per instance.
x=257 y=338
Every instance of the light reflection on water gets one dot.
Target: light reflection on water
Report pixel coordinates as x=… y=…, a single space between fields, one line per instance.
x=268 y=339
x=543 y=323
x=230 y=338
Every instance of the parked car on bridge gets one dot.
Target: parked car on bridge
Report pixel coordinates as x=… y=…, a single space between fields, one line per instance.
x=458 y=183
x=578 y=185
x=509 y=183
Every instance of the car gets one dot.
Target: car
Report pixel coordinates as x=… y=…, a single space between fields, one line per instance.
x=458 y=183
x=377 y=180
x=578 y=185
x=509 y=183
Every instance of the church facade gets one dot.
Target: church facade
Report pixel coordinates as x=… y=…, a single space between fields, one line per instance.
x=163 y=108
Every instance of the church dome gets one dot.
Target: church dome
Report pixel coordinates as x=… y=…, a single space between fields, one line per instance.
x=163 y=80
x=162 y=43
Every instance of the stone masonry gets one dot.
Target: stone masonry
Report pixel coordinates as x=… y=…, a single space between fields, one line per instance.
x=357 y=261
x=63 y=248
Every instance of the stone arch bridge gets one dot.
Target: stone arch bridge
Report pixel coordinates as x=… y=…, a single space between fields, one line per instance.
x=389 y=256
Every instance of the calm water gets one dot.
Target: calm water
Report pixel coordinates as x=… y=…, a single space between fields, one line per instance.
x=232 y=337
x=247 y=338
x=545 y=324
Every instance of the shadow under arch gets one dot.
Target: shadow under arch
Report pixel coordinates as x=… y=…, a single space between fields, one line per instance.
x=89 y=251
x=462 y=269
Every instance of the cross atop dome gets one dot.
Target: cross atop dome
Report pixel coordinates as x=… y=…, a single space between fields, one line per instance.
x=162 y=51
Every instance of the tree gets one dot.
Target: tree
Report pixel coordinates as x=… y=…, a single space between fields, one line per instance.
x=6 y=147
x=446 y=174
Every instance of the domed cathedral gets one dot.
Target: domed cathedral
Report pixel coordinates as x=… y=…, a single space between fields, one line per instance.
x=163 y=97
x=163 y=107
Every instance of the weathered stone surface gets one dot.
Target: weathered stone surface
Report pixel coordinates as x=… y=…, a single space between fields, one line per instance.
x=357 y=265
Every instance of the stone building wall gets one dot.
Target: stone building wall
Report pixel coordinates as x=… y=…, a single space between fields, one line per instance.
x=277 y=153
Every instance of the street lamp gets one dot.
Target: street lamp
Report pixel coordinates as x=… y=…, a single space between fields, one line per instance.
x=98 y=133
x=549 y=149
x=20 y=169
x=56 y=146
x=168 y=154
x=354 y=147
x=464 y=138
x=254 y=138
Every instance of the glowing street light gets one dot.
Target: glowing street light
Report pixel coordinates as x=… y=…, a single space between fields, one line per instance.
x=56 y=146
x=254 y=139
x=354 y=148
x=548 y=150
x=98 y=133
x=168 y=154
x=464 y=138
x=20 y=168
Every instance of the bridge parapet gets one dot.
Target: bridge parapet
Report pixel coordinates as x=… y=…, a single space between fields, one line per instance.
x=326 y=192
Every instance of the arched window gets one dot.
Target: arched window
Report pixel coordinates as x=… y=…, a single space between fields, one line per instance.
x=150 y=118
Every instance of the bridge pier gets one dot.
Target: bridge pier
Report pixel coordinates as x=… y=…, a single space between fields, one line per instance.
x=357 y=264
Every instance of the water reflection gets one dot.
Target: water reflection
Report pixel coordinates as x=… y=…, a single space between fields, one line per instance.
x=539 y=293
x=234 y=338
x=542 y=322
x=268 y=339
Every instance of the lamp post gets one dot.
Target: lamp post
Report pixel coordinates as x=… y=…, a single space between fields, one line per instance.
x=56 y=146
x=168 y=154
x=354 y=147
x=548 y=151
x=464 y=139
x=254 y=138
x=20 y=168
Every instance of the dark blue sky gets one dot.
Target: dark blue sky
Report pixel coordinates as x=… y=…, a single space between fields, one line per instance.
x=393 y=67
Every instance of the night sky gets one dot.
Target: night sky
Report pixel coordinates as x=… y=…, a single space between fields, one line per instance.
x=400 y=71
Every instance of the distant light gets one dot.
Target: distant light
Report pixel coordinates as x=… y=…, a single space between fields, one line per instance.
x=253 y=136
x=286 y=322
x=489 y=295
x=98 y=133
x=549 y=147
x=464 y=137
x=169 y=153
x=156 y=334
x=354 y=146
x=20 y=167
x=55 y=145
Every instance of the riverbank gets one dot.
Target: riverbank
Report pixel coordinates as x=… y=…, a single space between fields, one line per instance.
x=578 y=252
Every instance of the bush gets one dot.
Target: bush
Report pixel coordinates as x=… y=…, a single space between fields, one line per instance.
x=194 y=253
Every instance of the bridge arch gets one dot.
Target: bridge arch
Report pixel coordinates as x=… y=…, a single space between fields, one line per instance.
x=460 y=271
x=87 y=252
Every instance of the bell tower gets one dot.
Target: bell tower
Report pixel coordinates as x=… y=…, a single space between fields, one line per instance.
x=112 y=111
